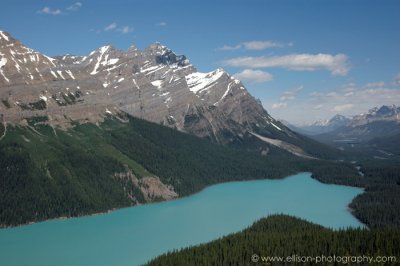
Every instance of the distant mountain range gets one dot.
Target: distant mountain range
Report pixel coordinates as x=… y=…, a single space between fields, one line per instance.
x=376 y=131
x=321 y=126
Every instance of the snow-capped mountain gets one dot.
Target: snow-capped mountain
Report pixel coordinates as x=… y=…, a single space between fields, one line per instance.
x=155 y=84
x=20 y=64
x=383 y=113
x=377 y=122
x=368 y=130
x=322 y=126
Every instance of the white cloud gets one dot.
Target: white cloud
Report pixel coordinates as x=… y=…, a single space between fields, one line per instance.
x=287 y=96
x=336 y=64
x=316 y=94
x=256 y=76
x=357 y=100
x=342 y=107
x=125 y=29
x=278 y=105
x=162 y=24
x=254 y=45
x=291 y=95
x=349 y=87
x=262 y=45
x=112 y=26
x=378 y=84
x=397 y=79
x=230 y=48
x=48 y=11
x=75 y=7
x=318 y=107
x=332 y=94
x=348 y=100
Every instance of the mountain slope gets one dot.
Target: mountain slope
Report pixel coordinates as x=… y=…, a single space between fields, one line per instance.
x=48 y=172
x=390 y=145
x=154 y=84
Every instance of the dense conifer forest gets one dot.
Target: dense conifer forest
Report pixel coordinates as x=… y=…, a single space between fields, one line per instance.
x=278 y=237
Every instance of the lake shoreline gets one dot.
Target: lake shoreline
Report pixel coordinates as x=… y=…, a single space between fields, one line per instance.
x=137 y=205
x=132 y=236
x=177 y=198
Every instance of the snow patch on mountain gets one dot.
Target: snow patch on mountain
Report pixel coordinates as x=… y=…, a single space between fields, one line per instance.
x=199 y=82
x=70 y=74
x=157 y=83
x=4 y=36
x=3 y=62
x=60 y=73
x=102 y=50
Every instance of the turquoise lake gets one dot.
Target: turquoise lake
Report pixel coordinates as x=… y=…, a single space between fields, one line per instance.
x=132 y=236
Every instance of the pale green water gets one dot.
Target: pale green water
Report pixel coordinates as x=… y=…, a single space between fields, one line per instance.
x=134 y=235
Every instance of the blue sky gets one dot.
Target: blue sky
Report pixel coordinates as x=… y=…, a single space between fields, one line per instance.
x=305 y=60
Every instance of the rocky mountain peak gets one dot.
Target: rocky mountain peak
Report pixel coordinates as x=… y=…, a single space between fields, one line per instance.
x=103 y=49
x=323 y=126
x=102 y=58
x=383 y=113
x=20 y=64
x=133 y=51
x=170 y=58
x=69 y=59
x=5 y=38
x=338 y=118
x=161 y=54
x=385 y=110
x=7 y=41
x=157 y=47
x=155 y=84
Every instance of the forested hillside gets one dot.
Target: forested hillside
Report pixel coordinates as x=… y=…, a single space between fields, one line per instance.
x=380 y=204
x=48 y=172
x=281 y=236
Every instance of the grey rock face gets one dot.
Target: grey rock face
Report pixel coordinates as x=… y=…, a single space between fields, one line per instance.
x=154 y=84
